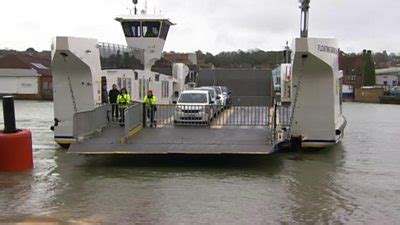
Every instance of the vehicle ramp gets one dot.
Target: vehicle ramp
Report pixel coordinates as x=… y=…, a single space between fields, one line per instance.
x=221 y=137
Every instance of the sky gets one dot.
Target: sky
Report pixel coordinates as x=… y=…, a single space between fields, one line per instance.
x=209 y=25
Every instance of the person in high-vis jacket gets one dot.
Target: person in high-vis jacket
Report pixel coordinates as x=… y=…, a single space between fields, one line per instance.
x=123 y=100
x=150 y=100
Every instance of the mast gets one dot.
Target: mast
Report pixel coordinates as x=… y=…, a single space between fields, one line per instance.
x=135 y=2
x=305 y=6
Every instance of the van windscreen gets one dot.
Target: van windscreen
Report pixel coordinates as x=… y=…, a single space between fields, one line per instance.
x=193 y=98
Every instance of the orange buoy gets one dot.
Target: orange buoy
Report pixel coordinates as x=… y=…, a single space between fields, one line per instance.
x=16 y=151
x=15 y=145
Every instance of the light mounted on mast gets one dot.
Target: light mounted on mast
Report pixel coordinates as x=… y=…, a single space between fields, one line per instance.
x=135 y=2
x=305 y=6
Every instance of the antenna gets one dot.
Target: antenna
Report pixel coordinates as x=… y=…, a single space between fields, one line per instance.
x=287 y=51
x=305 y=6
x=135 y=2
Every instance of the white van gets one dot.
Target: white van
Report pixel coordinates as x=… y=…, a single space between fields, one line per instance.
x=194 y=107
x=216 y=100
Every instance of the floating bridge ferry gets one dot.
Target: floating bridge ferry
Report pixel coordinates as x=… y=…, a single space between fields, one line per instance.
x=85 y=69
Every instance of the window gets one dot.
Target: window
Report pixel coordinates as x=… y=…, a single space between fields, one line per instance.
x=131 y=29
x=165 y=89
x=352 y=77
x=120 y=57
x=144 y=85
x=128 y=85
x=218 y=90
x=119 y=82
x=193 y=98
x=210 y=90
x=125 y=83
x=136 y=75
x=151 y=29
x=39 y=66
x=141 y=88
x=164 y=30
x=157 y=77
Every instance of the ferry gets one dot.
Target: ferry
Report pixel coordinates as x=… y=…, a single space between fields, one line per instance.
x=309 y=113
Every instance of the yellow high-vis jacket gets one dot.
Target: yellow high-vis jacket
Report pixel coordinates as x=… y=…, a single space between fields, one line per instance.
x=150 y=101
x=124 y=100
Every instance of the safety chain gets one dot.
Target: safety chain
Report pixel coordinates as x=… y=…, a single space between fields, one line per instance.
x=72 y=94
x=289 y=133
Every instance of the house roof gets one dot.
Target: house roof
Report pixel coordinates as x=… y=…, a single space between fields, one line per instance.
x=388 y=71
x=35 y=62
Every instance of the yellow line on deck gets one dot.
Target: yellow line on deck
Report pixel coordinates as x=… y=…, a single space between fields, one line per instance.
x=131 y=133
x=64 y=142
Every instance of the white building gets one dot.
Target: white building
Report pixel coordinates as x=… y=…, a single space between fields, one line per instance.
x=25 y=77
x=388 y=77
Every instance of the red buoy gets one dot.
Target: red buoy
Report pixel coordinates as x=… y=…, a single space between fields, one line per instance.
x=16 y=151
x=15 y=145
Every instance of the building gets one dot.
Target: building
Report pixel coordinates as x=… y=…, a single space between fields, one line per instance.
x=388 y=77
x=26 y=76
x=355 y=68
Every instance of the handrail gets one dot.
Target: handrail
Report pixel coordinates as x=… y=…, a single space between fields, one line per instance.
x=133 y=117
x=89 y=122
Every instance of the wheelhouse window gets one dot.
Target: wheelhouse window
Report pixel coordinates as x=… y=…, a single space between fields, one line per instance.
x=164 y=30
x=151 y=29
x=132 y=29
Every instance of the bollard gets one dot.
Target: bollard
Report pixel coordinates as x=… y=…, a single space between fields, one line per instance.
x=15 y=144
x=9 y=115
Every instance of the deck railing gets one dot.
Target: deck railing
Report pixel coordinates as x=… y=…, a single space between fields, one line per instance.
x=133 y=117
x=283 y=116
x=208 y=115
x=89 y=122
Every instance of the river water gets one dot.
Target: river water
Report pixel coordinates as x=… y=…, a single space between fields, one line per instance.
x=357 y=181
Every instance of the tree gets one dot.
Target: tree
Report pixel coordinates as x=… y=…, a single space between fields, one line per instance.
x=368 y=69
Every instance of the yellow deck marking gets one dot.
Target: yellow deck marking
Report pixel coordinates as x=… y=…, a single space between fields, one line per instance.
x=64 y=142
x=131 y=133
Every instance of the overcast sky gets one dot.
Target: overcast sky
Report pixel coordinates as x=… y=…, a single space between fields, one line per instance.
x=209 y=25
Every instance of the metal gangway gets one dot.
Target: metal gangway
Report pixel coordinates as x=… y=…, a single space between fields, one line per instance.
x=237 y=129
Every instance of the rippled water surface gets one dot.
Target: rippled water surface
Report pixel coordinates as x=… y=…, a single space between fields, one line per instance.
x=357 y=181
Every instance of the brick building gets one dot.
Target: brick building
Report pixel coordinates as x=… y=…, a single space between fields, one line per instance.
x=26 y=76
x=353 y=67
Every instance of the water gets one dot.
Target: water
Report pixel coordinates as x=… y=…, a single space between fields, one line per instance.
x=354 y=182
